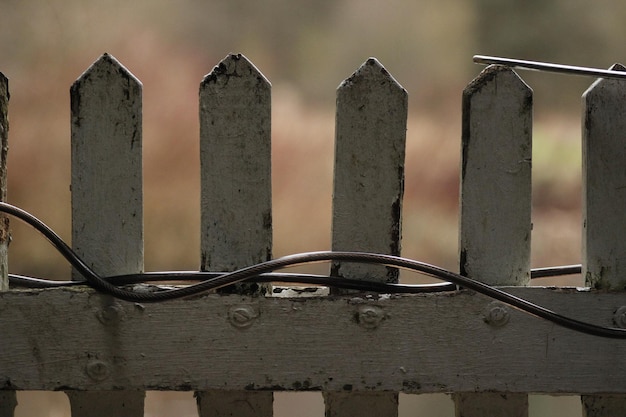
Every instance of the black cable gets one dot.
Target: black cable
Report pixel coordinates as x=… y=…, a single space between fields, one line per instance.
x=83 y=269
x=547 y=66
x=292 y=278
x=555 y=271
x=100 y=284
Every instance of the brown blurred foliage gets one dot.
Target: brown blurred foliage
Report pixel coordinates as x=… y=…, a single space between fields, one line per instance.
x=305 y=48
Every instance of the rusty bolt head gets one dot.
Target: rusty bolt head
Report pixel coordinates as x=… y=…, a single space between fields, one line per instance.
x=242 y=316
x=111 y=314
x=97 y=370
x=496 y=314
x=370 y=316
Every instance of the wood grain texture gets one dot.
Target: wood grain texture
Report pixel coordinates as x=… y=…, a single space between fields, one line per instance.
x=604 y=405
x=235 y=403
x=106 y=403
x=370 y=404
x=8 y=402
x=236 y=195
x=107 y=201
x=368 y=185
x=604 y=197
x=5 y=236
x=107 y=197
x=604 y=183
x=490 y=404
x=495 y=224
x=193 y=345
x=235 y=155
x=235 y=349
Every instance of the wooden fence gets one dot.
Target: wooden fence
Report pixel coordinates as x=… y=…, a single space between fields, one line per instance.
x=359 y=350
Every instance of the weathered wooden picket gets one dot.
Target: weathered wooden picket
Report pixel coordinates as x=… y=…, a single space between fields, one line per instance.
x=360 y=350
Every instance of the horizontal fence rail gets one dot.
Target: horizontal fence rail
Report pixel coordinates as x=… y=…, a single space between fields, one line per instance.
x=360 y=349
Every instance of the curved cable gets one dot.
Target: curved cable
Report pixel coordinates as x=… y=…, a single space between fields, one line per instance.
x=292 y=278
x=101 y=284
x=555 y=271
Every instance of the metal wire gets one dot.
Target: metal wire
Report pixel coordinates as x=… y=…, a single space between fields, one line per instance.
x=262 y=271
x=23 y=281
x=292 y=278
x=548 y=67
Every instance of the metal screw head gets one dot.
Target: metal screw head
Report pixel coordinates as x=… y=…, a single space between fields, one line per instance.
x=97 y=370
x=111 y=314
x=370 y=316
x=242 y=316
x=619 y=317
x=496 y=314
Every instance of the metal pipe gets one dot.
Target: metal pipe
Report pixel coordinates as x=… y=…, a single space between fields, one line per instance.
x=545 y=66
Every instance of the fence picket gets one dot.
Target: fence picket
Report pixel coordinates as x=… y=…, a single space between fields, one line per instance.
x=235 y=403
x=106 y=403
x=235 y=157
x=236 y=211
x=495 y=224
x=107 y=206
x=370 y=142
x=604 y=197
x=368 y=185
x=8 y=402
x=106 y=168
x=107 y=378
x=4 y=146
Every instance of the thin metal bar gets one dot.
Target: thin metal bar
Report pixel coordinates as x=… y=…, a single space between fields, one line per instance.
x=545 y=66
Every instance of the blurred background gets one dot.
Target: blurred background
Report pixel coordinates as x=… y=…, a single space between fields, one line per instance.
x=305 y=48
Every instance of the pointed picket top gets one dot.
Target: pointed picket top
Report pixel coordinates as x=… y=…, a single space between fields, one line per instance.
x=495 y=224
x=235 y=67
x=604 y=195
x=235 y=154
x=368 y=186
x=235 y=195
x=107 y=84
x=106 y=66
x=492 y=74
x=4 y=146
x=107 y=168
x=371 y=72
x=604 y=199
x=107 y=196
x=605 y=83
x=107 y=63
x=370 y=138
